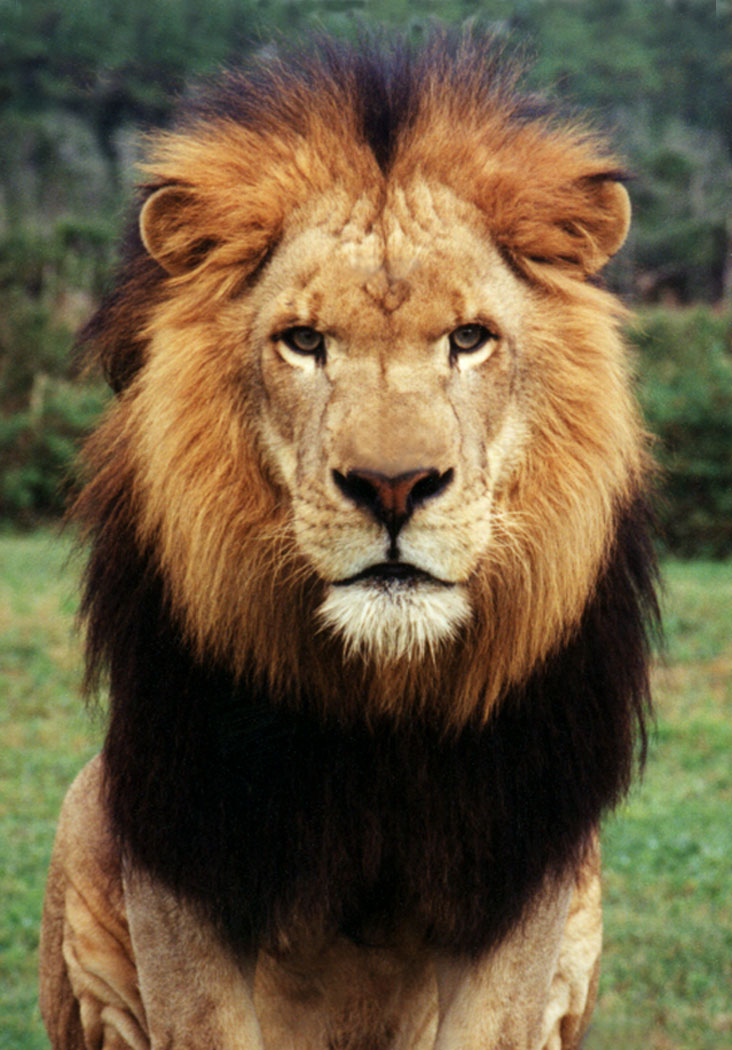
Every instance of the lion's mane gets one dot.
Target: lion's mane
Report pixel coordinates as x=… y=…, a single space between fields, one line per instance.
x=248 y=765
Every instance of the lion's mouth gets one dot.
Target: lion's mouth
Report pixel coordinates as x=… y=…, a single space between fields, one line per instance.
x=395 y=610
x=393 y=572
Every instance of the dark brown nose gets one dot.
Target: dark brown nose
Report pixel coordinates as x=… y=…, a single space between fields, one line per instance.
x=391 y=500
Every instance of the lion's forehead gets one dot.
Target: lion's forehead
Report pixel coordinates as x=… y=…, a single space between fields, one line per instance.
x=418 y=257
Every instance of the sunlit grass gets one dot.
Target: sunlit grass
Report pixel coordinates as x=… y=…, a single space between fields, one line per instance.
x=667 y=967
x=46 y=737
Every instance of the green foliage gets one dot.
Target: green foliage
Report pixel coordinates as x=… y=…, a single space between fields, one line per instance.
x=685 y=371
x=46 y=287
x=38 y=447
x=659 y=75
x=681 y=199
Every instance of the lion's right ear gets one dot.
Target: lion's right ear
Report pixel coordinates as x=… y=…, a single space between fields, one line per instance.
x=171 y=229
x=607 y=223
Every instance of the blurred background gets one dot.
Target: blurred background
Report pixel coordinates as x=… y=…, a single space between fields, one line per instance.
x=79 y=83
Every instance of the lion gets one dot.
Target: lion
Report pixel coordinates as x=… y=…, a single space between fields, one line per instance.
x=370 y=578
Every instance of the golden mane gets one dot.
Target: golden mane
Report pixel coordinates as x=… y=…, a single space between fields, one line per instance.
x=184 y=469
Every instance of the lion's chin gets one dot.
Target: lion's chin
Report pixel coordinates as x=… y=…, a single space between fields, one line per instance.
x=393 y=619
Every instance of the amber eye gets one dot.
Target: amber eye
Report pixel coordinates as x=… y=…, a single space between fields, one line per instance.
x=468 y=338
x=304 y=340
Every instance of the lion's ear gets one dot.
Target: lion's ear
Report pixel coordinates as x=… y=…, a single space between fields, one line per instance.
x=170 y=229
x=576 y=225
x=605 y=224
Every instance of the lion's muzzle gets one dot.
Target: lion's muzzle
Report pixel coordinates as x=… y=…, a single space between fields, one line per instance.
x=392 y=500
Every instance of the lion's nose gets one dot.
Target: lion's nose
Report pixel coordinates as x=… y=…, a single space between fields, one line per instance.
x=392 y=500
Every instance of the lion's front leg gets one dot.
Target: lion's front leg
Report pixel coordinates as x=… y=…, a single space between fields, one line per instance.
x=195 y=995
x=123 y=965
x=574 y=984
x=536 y=991
x=89 y=995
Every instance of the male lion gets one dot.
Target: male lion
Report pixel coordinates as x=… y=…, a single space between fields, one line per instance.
x=369 y=575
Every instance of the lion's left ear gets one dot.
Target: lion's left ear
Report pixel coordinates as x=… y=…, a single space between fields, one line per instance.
x=607 y=221
x=574 y=225
x=172 y=231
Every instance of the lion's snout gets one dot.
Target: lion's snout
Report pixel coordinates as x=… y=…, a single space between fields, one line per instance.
x=392 y=499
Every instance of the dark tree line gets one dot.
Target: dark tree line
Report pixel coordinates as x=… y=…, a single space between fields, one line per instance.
x=76 y=77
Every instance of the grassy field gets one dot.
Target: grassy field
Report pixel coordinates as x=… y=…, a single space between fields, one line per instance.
x=667 y=979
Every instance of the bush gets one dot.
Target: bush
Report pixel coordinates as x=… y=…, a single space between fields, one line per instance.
x=685 y=389
x=38 y=447
x=47 y=288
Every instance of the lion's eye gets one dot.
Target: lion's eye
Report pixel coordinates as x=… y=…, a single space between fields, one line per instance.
x=468 y=338
x=304 y=340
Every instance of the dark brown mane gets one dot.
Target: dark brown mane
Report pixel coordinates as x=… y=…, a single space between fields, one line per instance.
x=383 y=78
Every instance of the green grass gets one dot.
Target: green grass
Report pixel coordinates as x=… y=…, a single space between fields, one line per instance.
x=46 y=737
x=667 y=967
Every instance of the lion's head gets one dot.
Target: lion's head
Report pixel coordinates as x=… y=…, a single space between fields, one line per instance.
x=373 y=417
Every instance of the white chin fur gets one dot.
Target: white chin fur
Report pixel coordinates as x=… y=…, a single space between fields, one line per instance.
x=393 y=620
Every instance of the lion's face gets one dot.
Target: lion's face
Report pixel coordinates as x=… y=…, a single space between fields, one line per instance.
x=389 y=345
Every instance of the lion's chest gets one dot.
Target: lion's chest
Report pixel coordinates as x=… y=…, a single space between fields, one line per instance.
x=346 y=998
x=360 y=834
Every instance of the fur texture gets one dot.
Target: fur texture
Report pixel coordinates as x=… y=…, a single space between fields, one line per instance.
x=292 y=780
